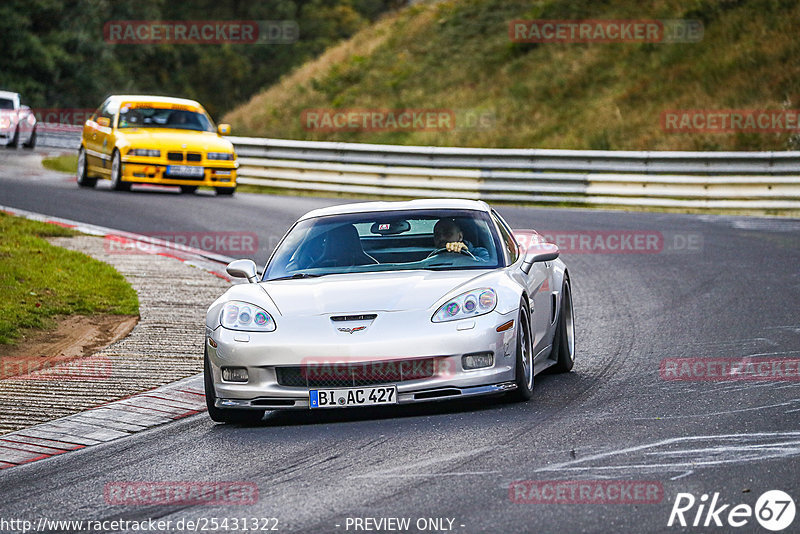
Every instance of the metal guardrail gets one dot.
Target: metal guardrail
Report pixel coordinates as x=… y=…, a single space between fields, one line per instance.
x=58 y=135
x=758 y=180
x=737 y=180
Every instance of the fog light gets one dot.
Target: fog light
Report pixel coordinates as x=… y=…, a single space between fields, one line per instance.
x=234 y=374
x=477 y=361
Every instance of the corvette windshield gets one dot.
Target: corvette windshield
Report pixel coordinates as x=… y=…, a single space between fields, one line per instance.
x=387 y=241
x=181 y=119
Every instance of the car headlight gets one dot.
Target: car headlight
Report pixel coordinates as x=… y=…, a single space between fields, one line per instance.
x=469 y=304
x=237 y=315
x=147 y=152
x=220 y=155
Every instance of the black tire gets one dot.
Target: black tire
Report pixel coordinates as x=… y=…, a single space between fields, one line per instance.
x=15 y=140
x=32 y=141
x=225 y=191
x=116 y=173
x=83 y=177
x=188 y=189
x=524 y=363
x=228 y=415
x=564 y=341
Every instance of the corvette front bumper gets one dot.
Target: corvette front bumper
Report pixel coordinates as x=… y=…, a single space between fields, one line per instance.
x=290 y=347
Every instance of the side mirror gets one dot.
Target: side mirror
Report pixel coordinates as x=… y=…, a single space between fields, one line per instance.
x=224 y=129
x=538 y=253
x=104 y=121
x=243 y=269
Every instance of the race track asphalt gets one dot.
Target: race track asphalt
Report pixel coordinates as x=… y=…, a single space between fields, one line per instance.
x=733 y=291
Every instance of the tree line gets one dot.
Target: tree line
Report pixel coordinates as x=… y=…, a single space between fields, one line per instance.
x=56 y=55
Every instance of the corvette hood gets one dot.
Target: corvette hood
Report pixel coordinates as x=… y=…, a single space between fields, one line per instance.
x=149 y=138
x=367 y=292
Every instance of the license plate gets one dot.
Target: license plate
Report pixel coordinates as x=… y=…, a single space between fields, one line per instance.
x=185 y=170
x=343 y=398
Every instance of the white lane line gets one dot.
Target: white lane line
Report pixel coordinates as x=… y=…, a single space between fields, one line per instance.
x=428 y=475
x=735 y=450
x=709 y=414
x=683 y=475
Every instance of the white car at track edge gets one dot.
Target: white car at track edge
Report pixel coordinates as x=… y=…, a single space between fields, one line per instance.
x=383 y=303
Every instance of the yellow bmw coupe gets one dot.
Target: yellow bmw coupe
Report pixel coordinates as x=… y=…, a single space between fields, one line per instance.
x=156 y=140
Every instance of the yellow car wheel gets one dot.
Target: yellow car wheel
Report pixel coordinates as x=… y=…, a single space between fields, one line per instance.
x=116 y=174
x=83 y=177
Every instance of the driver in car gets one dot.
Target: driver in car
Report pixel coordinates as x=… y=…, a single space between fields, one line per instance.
x=448 y=235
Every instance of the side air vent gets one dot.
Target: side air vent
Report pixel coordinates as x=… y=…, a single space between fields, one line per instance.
x=273 y=402
x=437 y=393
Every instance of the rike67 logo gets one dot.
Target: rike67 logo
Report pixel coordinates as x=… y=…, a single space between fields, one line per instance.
x=774 y=510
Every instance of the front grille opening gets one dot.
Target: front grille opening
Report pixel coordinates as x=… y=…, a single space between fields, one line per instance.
x=193 y=156
x=437 y=393
x=273 y=402
x=364 y=317
x=175 y=156
x=339 y=375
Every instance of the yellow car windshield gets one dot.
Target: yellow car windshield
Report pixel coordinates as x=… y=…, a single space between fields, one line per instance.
x=181 y=119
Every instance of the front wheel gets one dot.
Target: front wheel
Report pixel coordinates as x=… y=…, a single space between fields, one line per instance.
x=225 y=191
x=83 y=177
x=564 y=342
x=524 y=363
x=188 y=189
x=15 y=140
x=228 y=415
x=116 y=174
x=32 y=141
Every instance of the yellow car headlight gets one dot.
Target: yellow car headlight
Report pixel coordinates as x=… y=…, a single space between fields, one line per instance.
x=147 y=152
x=228 y=156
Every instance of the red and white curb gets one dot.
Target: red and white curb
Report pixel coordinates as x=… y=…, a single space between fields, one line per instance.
x=104 y=423
x=123 y=417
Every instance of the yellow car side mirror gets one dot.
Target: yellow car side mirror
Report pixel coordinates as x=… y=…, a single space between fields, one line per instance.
x=224 y=129
x=104 y=121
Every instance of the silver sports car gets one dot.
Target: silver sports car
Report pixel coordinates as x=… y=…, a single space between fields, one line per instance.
x=388 y=303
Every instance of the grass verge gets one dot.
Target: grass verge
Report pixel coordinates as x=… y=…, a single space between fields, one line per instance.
x=39 y=281
x=66 y=163
x=457 y=55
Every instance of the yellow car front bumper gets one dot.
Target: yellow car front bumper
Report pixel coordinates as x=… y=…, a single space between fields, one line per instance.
x=214 y=174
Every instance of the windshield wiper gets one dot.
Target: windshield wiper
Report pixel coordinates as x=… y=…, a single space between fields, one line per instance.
x=295 y=276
